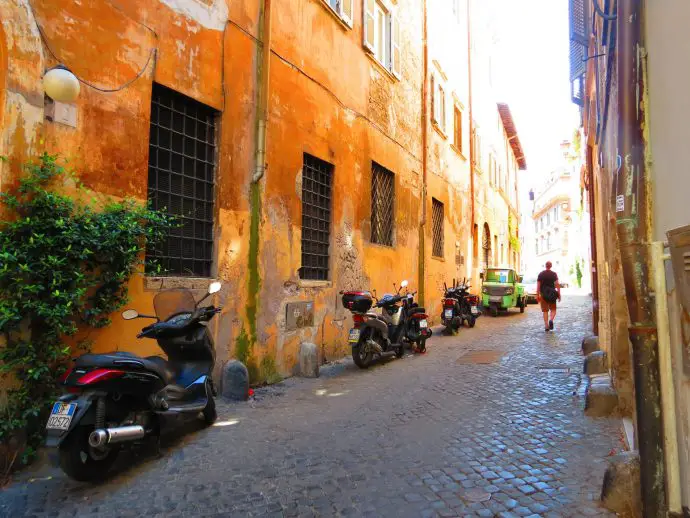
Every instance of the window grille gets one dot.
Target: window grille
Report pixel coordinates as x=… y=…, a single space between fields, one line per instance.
x=317 y=177
x=437 y=227
x=382 y=205
x=182 y=156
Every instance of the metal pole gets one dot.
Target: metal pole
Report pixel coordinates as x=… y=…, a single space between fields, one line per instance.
x=668 y=394
x=633 y=228
x=425 y=145
x=593 y=239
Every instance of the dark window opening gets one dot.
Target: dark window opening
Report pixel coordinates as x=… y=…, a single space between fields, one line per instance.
x=382 y=205
x=437 y=227
x=182 y=160
x=317 y=177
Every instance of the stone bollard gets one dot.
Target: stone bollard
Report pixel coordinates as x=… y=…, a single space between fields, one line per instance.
x=308 y=360
x=590 y=344
x=620 y=492
x=601 y=399
x=235 y=381
x=596 y=363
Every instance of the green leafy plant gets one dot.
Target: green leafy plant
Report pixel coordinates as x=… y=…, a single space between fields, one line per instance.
x=64 y=265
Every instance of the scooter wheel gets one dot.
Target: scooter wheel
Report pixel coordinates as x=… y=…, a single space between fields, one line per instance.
x=209 y=412
x=400 y=352
x=82 y=462
x=471 y=322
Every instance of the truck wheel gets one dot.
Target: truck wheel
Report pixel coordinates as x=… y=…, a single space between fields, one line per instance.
x=522 y=305
x=494 y=311
x=82 y=462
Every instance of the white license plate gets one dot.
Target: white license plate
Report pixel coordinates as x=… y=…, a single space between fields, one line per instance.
x=61 y=416
x=354 y=336
x=449 y=313
x=496 y=298
x=423 y=324
x=474 y=310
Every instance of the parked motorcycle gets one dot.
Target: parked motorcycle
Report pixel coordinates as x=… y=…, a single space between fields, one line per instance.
x=118 y=399
x=459 y=306
x=375 y=334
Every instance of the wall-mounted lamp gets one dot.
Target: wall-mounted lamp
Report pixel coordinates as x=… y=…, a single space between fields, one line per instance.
x=61 y=85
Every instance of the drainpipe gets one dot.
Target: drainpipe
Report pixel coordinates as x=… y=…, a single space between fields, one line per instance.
x=262 y=105
x=471 y=125
x=593 y=238
x=425 y=151
x=633 y=226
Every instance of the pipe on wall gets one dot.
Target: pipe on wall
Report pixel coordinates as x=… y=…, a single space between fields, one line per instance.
x=263 y=94
x=425 y=152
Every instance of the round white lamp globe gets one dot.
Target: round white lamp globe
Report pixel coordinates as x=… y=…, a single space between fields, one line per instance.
x=61 y=85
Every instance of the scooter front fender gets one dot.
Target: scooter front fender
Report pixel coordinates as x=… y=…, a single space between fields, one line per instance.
x=84 y=402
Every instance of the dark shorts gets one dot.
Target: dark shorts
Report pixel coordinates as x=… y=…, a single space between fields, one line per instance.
x=546 y=306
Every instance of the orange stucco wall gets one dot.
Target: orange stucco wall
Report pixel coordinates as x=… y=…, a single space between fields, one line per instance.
x=328 y=98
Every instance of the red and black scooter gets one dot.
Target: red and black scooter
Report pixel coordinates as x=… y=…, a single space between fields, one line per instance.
x=400 y=321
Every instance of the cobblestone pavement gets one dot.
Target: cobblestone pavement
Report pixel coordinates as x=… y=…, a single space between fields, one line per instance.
x=421 y=436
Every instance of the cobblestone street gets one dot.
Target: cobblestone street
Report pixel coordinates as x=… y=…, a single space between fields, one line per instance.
x=489 y=434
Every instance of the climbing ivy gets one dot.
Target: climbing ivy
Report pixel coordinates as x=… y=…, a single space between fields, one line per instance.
x=64 y=264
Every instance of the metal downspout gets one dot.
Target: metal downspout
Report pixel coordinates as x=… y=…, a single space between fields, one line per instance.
x=593 y=238
x=425 y=150
x=471 y=126
x=633 y=226
x=262 y=105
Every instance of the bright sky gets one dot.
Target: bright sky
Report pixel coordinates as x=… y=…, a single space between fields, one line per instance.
x=531 y=74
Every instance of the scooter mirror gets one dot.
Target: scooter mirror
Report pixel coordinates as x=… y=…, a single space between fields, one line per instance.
x=130 y=314
x=214 y=287
x=403 y=284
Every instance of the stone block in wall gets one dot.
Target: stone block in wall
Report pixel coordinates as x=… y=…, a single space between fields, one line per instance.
x=309 y=360
x=620 y=491
x=596 y=363
x=601 y=399
x=590 y=344
x=235 y=381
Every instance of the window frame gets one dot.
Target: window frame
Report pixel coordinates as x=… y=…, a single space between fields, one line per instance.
x=437 y=233
x=391 y=60
x=376 y=170
x=457 y=128
x=340 y=10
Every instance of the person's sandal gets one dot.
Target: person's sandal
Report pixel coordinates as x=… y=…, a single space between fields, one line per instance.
x=551 y=324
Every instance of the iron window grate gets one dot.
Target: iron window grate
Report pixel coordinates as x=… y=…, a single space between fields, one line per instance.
x=182 y=157
x=382 y=205
x=437 y=227
x=317 y=177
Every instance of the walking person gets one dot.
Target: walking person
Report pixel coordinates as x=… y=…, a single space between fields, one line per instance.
x=548 y=292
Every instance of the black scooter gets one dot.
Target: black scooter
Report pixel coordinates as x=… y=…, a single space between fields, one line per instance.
x=119 y=399
x=374 y=334
x=459 y=306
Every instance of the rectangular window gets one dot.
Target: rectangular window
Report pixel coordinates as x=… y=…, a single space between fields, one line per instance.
x=382 y=205
x=457 y=138
x=437 y=227
x=441 y=108
x=182 y=161
x=382 y=35
x=317 y=178
x=343 y=8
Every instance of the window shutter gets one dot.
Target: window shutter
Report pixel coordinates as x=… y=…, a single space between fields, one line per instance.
x=369 y=24
x=395 y=46
x=346 y=11
x=433 y=99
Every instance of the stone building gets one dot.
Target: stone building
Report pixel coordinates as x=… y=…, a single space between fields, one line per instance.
x=629 y=74
x=309 y=146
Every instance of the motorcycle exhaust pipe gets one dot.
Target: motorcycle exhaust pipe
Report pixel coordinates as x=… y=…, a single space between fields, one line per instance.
x=104 y=436
x=376 y=347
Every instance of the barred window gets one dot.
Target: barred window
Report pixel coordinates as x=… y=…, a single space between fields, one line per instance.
x=382 y=205
x=182 y=158
x=437 y=227
x=317 y=177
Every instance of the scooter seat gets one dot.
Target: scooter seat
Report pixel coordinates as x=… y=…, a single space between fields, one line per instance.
x=417 y=310
x=118 y=359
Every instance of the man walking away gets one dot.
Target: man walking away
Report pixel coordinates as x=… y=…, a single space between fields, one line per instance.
x=548 y=292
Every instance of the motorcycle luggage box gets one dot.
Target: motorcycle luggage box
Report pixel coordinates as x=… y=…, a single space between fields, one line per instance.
x=357 y=301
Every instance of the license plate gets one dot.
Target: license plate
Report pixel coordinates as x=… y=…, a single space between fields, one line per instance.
x=423 y=324
x=354 y=336
x=61 y=416
x=496 y=298
x=474 y=310
x=449 y=313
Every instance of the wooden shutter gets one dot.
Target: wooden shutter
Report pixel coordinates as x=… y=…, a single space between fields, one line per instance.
x=395 y=46
x=369 y=24
x=433 y=98
x=346 y=11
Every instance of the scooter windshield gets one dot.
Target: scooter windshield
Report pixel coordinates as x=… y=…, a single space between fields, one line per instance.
x=171 y=302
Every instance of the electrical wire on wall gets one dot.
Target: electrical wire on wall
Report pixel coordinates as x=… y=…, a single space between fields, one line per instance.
x=141 y=72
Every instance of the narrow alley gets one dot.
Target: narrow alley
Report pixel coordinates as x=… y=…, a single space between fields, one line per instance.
x=477 y=427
